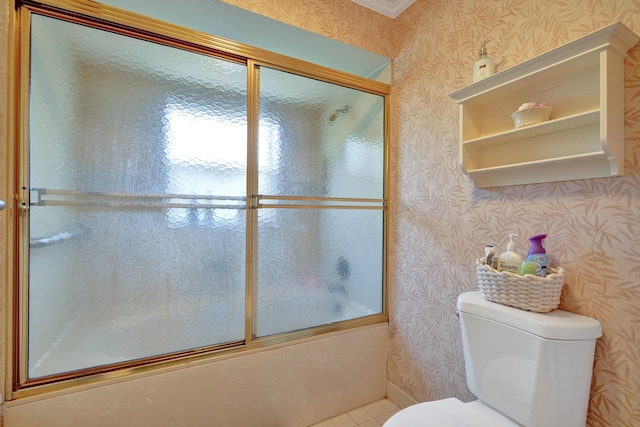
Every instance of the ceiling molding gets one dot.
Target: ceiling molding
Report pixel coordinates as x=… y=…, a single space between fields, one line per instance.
x=390 y=8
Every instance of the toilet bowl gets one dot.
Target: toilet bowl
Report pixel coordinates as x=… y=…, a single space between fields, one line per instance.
x=526 y=369
x=449 y=413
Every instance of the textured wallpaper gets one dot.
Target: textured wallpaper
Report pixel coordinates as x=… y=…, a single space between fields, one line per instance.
x=440 y=223
x=340 y=20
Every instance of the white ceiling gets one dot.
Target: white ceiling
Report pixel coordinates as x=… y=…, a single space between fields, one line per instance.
x=390 y=8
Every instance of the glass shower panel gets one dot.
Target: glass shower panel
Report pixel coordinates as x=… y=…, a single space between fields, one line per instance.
x=137 y=177
x=330 y=141
x=316 y=267
x=320 y=246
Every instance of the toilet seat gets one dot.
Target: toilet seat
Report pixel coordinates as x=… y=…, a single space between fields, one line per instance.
x=448 y=413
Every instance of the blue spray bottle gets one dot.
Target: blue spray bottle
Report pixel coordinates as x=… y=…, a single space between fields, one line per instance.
x=538 y=254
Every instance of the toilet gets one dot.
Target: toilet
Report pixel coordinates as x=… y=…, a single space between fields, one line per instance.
x=526 y=369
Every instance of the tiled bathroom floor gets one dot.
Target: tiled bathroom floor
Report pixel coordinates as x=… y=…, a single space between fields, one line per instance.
x=372 y=415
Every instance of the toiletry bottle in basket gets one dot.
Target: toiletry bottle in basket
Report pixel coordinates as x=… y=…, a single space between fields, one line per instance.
x=538 y=254
x=510 y=260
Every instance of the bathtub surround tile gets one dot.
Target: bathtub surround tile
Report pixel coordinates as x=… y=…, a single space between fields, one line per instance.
x=288 y=386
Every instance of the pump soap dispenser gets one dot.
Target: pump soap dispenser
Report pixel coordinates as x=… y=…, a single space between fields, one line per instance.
x=510 y=260
x=484 y=66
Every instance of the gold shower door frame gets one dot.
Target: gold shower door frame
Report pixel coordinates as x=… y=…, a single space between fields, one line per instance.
x=98 y=16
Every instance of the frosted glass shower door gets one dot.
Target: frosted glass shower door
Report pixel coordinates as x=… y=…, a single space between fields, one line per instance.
x=137 y=179
x=321 y=185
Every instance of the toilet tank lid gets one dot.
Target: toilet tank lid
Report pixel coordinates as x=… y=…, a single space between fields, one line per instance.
x=556 y=325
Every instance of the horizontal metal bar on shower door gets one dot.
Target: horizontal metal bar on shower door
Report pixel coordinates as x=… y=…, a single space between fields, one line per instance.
x=300 y=206
x=53 y=197
x=304 y=202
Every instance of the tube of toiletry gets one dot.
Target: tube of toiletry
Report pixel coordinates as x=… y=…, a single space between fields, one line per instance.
x=490 y=255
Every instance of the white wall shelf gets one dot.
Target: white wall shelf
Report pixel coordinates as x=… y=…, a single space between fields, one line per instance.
x=584 y=83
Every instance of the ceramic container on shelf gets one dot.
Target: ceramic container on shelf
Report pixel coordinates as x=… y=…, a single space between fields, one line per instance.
x=531 y=116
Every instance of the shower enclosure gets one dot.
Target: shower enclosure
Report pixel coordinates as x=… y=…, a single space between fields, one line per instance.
x=181 y=201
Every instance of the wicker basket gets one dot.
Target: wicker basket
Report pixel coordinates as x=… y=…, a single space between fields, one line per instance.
x=528 y=292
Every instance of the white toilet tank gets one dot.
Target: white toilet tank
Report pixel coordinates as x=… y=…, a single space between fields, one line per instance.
x=534 y=368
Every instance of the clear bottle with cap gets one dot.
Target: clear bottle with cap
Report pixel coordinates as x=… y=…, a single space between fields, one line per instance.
x=484 y=66
x=510 y=260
